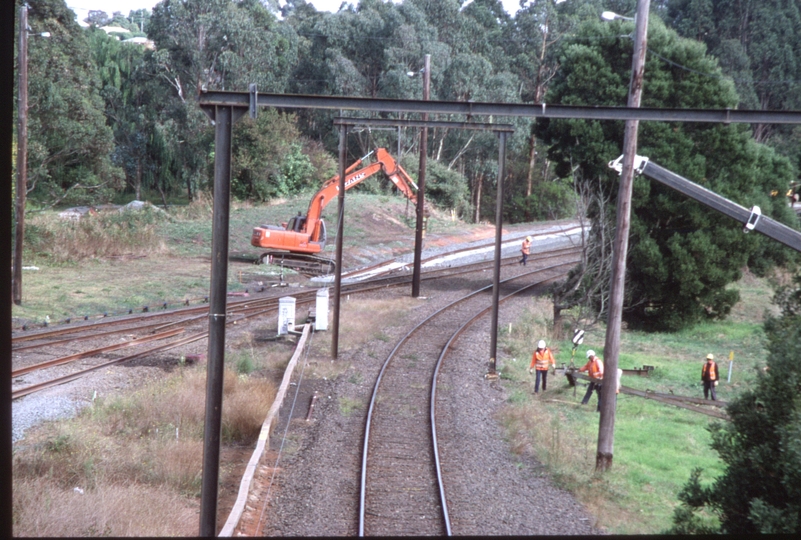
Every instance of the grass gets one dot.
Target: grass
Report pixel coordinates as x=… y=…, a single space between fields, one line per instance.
x=135 y=459
x=112 y=262
x=656 y=446
x=348 y=405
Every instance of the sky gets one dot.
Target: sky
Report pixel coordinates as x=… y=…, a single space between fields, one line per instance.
x=82 y=7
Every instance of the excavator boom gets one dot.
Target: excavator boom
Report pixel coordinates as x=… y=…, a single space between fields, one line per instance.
x=304 y=236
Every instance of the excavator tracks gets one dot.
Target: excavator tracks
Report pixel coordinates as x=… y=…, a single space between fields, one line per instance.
x=308 y=265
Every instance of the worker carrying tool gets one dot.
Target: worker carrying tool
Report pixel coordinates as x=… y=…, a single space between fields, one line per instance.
x=595 y=369
x=709 y=376
x=540 y=361
x=525 y=249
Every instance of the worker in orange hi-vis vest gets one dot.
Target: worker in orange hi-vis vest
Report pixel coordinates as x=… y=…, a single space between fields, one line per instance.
x=540 y=361
x=709 y=376
x=595 y=369
x=525 y=249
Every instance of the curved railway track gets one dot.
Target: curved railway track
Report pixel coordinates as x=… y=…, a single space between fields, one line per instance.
x=402 y=489
x=176 y=328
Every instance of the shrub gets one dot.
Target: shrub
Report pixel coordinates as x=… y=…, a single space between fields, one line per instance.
x=759 y=492
x=100 y=235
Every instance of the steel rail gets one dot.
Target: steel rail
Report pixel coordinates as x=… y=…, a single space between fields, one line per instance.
x=94 y=352
x=674 y=402
x=433 y=407
x=108 y=321
x=156 y=326
x=68 y=378
x=78 y=374
x=669 y=399
x=248 y=308
x=374 y=395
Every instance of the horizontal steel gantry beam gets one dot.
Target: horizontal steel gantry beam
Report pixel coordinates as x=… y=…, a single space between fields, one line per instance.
x=249 y=100
x=388 y=122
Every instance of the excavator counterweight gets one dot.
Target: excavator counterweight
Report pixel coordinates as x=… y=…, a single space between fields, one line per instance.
x=299 y=242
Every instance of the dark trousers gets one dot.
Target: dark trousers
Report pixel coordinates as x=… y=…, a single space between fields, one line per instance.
x=524 y=259
x=544 y=375
x=709 y=386
x=593 y=386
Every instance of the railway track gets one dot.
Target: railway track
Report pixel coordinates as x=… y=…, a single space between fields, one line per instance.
x=176 y=327
x=402 y=487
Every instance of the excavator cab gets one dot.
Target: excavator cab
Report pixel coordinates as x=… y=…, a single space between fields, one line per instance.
x=296 y=224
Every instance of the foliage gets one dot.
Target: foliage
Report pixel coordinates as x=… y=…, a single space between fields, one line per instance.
x=267 y=161
x=444 y=187
x=69 y=144
x=105 y=111
x=682 y=256
x=757 y=46
x=759 y=491
x=548 y=200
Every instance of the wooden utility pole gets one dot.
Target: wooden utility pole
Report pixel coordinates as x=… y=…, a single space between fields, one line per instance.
x=421 y=186
x=22 y=154
x=606 y=428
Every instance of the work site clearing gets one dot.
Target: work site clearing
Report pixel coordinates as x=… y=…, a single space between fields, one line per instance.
x=129 y=462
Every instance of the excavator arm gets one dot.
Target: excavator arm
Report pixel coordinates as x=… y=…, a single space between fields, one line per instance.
x=305 y=235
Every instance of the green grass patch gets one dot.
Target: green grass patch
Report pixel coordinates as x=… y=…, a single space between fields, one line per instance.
x=656 y=446
x=348 y=405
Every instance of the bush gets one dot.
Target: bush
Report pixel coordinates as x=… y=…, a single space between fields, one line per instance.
x=98 y=235
x=548 y=200
x=444 y=187
x=760 y=490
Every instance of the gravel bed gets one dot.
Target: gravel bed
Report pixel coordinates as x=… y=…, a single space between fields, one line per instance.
x=491 y=490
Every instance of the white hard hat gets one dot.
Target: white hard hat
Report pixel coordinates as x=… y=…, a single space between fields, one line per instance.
x=541 y=344
x=590 y=353
x=528 y=238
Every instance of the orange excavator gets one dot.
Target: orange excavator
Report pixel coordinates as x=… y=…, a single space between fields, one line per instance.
x=297 y=243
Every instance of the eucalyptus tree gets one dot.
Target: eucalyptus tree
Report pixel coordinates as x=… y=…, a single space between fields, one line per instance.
x=757 y=43
x=211 y=45
x=69 y=143
x=682 y=256
x=120 y=68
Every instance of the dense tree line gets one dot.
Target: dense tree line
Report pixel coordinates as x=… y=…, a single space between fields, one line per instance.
x=111 y=119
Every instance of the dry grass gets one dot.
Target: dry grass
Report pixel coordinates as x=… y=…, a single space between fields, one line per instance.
x=568 y=455
x=138 y=459
x=44 y=510
x=102 y=235
x=200 y=208
x=363 y=320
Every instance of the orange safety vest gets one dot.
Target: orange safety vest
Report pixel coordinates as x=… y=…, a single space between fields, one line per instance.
x=541 y=358
x=595 y=368
x=709 y=372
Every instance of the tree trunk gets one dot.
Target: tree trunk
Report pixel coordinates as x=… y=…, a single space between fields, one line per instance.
x=557 y=322
x=479 y=184
x=188 y=187
x=603 y=462
x=138 y=182
x=532 y=160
